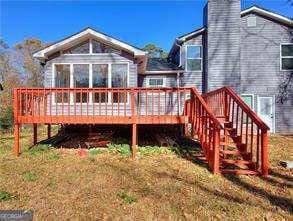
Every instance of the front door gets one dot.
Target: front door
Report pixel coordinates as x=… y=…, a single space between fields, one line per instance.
x=266 y=111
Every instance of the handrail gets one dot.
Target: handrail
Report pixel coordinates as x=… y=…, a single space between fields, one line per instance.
x=207 y=128
x=247 y=109
x=246 y=129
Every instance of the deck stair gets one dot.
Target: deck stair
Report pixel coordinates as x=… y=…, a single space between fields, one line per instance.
x=243 y=139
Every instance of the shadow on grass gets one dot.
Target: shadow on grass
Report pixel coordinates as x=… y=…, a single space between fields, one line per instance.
x=193 y=153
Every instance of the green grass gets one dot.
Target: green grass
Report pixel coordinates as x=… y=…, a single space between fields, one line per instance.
x=6 y=196
x=127 y=197
x=29 y=176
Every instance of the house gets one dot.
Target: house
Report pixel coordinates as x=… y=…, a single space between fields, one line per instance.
x=93 y=78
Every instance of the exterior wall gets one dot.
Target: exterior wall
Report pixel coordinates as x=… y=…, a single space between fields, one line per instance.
x=93 y=58
x=191 y=78
x=223 y=43
x=261 y=74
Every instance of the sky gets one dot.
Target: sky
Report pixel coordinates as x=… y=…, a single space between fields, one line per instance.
x=135 y=22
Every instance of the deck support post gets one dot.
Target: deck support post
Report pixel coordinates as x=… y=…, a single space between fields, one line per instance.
x=216 y=154
x=35 y=131
x=49 y=131
x=16 y=140
x=264 y=153
x=134 y=141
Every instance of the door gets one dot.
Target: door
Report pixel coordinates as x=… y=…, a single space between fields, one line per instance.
x=266 y=111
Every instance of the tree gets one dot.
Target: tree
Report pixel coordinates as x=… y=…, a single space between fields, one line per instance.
x=31 y=67
x=9 y=78
x=155 y=51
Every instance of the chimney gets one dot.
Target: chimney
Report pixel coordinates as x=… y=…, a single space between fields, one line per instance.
x=222 y=49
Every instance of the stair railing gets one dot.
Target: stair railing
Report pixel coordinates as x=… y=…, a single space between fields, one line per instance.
x=207 y=127
x=247 y=127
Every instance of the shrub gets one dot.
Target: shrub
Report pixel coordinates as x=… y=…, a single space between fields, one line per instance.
x=126 y=197
x=6 y=118
x=5 y=196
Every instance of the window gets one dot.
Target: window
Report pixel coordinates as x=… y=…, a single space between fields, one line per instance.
x=81 y=79
x=251 y=21
x=119 y=79
x=155 y=82
x=99 y=47
x=82 y=48
x=193 y=58
x=287 y=57
x=62 y=79
x=100 y=79
x=248 y=99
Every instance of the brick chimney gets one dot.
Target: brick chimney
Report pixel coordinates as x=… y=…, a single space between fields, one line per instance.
x=222 y=49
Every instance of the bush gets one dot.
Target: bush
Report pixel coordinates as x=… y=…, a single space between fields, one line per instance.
x=6 y=118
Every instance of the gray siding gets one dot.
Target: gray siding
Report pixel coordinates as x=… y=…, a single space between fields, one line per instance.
x=223 y=43
x=191 y=78
x=96 y=58
x=260 y=66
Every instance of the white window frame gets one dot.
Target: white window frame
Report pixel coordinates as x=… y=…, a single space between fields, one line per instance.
x=252 y=95
x=186 y=58
x=156 y=78
x=284 y=57
x=90 y=80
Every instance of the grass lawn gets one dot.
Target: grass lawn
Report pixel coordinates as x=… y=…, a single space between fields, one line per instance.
x=58 y=184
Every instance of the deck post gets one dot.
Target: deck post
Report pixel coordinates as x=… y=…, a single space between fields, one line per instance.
x=216 y=154
x=264 y=153
x=49 y=131
x=16 y=139
x=134 y=141
x=35 y=131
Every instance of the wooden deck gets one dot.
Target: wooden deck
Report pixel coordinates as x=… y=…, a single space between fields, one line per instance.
x=101 y=106
x=223 y=124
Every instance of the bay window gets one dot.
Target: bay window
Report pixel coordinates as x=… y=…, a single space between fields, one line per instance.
x=193 y=58
x=287 y=57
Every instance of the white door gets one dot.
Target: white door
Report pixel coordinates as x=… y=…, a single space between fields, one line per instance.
x=266 y=111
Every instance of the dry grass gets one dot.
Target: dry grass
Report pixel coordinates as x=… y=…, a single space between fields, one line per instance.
x=58 y=184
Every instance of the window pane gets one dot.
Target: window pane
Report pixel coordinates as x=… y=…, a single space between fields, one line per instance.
x=193 y=51
x=194 y=64
x=248 y=100
x=287 y=63
x=82 y=48
x=97 y=47
x=81 y=79
x=119 y=79
x=100 y=79
x=62 y=79
x=287 y=50
x=156 y=82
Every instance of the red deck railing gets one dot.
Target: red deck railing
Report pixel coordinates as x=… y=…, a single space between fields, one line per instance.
x=244 y=126
x=101 y=105
x=207 y=128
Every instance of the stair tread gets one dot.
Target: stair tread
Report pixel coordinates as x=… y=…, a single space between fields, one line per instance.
x=233 y=152
x=239 y=172
x=230 y=161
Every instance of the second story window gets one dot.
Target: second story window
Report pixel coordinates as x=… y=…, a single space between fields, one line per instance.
x=287 y=57
x=193 y=58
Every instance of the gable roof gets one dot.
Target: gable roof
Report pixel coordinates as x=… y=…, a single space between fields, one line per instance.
x=267 y=13
x=82 y=34
x=253 y=9
x=157 y=65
